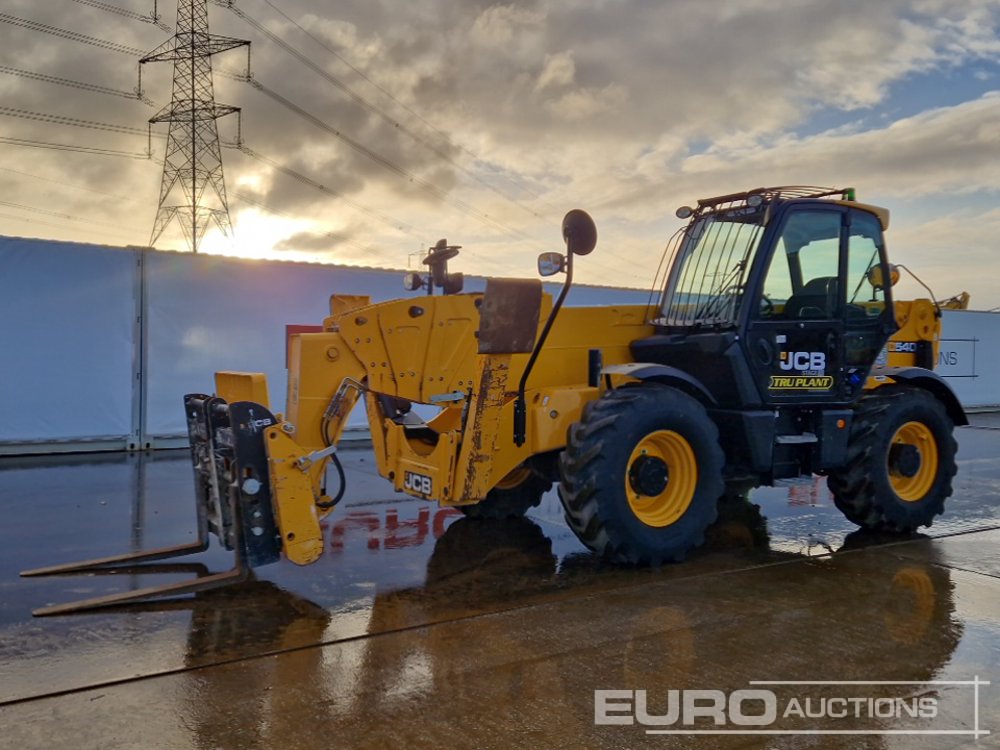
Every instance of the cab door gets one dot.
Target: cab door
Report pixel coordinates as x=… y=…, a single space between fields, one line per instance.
x=819 y=321
x=869 y=316
x=796 y=329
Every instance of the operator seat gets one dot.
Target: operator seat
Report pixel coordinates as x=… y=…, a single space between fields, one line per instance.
x=818 y=299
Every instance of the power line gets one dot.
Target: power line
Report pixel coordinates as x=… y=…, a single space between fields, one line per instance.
x=246 y=198
x=117 y=128
x=299 y=177
x=388 y=164
x=361 y=101
x=62 y=183
x=58 y=214
x=357 y=98
x=126 y=12
x=27 y=220
x=305 y=60
x=26 y=114
x=75 y=84
x=360 y=73
x=370 y=249
x=72 y=147
x=441 y=133
x=71 y=35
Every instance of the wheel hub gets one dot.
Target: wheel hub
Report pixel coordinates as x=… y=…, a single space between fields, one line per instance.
x=649 y=475
x=661 y=477
x=904 y=460
x=912 y=461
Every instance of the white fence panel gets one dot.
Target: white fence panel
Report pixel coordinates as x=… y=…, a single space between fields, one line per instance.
x=70 y=342
x=67 y=319
x=969 y=357
x=208 y=313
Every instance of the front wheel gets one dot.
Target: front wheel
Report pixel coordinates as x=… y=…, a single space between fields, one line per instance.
x=900 y=461
x=641 y=474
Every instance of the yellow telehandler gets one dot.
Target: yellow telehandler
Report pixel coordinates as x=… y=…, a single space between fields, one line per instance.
x=774 y=350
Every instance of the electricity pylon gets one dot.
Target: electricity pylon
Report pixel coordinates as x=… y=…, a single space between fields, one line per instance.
x=193 y=159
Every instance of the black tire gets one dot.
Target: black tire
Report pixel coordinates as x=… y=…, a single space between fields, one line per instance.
x=511 y=500
x=873 y=490
x=599 y=464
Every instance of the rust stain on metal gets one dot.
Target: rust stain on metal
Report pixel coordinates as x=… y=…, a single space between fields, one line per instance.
x=487 y=407
x=508 y=317
x=481 y=404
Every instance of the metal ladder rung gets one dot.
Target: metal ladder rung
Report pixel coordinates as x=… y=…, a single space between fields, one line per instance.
x=804 y=438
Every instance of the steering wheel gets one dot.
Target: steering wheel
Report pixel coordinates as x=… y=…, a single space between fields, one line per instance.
x=766 y=306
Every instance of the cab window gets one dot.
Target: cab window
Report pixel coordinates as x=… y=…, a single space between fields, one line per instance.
x=802 y=280
x=864 y=240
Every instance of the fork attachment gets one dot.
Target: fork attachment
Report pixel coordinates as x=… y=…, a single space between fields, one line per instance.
x=231 y=476
x=232 y=499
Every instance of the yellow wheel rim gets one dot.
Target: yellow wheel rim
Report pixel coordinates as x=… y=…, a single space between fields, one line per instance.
x=514 y=479
x=915 y=488
x=666 y=506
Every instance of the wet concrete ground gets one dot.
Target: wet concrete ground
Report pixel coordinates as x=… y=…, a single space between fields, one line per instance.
x=419 y=628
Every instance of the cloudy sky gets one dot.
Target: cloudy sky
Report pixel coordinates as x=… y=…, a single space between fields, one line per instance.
x=378 y=126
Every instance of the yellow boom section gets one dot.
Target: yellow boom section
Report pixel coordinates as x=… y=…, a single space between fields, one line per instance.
x=425 y=350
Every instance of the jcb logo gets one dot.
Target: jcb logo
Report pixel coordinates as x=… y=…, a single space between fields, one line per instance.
x=417 y=483
x=256 y=425
x=259 y=424
x=803 y=361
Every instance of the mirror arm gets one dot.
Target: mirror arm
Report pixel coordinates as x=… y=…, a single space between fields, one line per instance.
x=520 y=409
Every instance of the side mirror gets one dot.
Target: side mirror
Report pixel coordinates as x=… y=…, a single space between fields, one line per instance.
x=413 y=281
x=876 y=280
x=581 y=237
x=580 y=232
x=549 y=264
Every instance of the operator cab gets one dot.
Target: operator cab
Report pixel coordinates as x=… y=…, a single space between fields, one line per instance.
x=775 y=296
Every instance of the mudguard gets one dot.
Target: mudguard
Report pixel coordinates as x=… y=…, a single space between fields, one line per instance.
x=648 y=371
x=928 y=380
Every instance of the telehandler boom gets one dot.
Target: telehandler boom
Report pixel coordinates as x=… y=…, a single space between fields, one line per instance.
x=775 y=350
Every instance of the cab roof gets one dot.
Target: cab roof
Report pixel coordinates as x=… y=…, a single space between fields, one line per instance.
x=844 y=196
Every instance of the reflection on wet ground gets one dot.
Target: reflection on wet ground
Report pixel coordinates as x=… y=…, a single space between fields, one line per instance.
x=420 y=627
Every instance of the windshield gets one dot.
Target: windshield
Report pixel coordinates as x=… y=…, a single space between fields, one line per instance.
x=706 y=280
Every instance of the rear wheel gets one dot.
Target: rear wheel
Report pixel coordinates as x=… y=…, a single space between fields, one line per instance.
x=900 y=461
x=514 y=495
x=641 y=475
